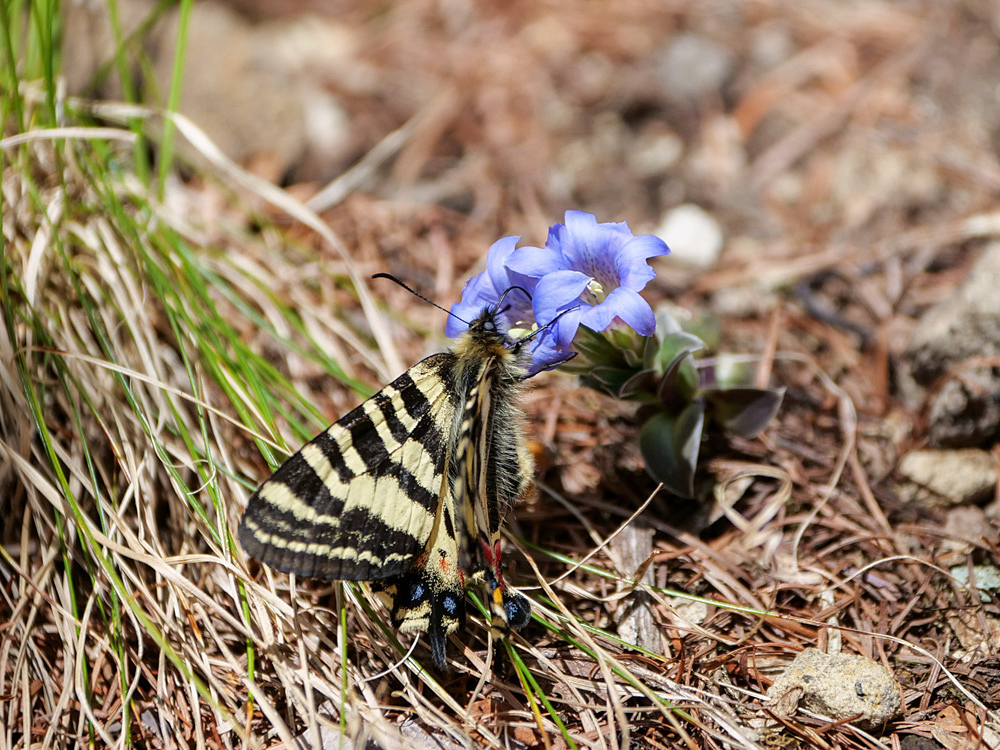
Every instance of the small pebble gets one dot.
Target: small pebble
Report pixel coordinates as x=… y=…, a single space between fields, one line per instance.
x=838 y=687
x=949 y=477
x=693 y=235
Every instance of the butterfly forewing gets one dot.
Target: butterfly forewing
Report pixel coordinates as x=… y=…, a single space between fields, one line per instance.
x=360 y=500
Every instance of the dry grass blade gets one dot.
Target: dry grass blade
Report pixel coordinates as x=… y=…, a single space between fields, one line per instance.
x=134 y=514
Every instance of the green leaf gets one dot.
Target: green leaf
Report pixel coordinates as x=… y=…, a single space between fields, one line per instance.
x=671 y=318
x=609 y=380
x=670 y=447
x=706 y=326
x=680 y=380
x=675 y=346
x=642 y=383
x=733 y=371
x=743 y=411
x=650 y=346
x=679 y=384
x=667 y=322
x=595 y=348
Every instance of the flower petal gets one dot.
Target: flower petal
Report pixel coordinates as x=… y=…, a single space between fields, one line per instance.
x=624 y=305
x=556 y=292
x=516 y=308
x=496 y=259
x=477 y=294
x=535 y=262
x=591 y=247
x=546 y=352
x=566 y=326
x=633 y=270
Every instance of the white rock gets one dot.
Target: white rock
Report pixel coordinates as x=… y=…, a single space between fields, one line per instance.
x=950 y=477
x=987 y=578
x=837 y=686
x=692 y=234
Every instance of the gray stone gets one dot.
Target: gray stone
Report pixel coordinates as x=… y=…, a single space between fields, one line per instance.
x=966 y=522
x=692 y=66
x=965 y=411
x=693 y=235
x=987 y=579
x=838 y=687
x=966 y=324
x=948 y=338
x=946 y=477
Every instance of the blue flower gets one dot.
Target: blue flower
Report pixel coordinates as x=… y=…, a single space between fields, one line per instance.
x=587 y=274
x=486 y=288
x=601 y=267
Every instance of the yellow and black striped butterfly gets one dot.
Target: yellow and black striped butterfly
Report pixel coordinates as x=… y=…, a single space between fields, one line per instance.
x=410 y=489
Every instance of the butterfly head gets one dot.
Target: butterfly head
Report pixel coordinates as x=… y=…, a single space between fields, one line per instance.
x=489 y=325
x=486 y=337
x=497 y=329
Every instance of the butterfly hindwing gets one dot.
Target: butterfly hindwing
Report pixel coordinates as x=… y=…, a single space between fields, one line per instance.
x=431 y=595
x=359 y=501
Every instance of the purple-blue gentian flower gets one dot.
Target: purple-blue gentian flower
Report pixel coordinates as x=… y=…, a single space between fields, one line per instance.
x=587 y=274
x=486 y=289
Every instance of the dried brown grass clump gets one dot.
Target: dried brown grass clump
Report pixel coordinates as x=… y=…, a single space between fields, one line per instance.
x=157 y=356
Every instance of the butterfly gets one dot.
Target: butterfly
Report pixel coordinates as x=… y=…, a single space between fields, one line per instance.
x=410 y=489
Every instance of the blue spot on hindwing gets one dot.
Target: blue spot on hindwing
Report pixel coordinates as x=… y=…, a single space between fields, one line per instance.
x=517 y=610
x=417 y=591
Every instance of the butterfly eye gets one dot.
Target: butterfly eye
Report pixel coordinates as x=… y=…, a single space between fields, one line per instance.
x=489 y=325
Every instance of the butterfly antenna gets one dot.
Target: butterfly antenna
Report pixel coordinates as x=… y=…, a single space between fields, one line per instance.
x=551 y=323
x=415 y=293
x=507 y=291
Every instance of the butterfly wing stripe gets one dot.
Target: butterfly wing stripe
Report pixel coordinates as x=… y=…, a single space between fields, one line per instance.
x=329 y=512
x=469 y=456
x=368 y=446
x=334 y=465
x=412 y=392
x=286 y=494
x=358 y=436
x=308 y=488
x=352 y=559
x=366 y=544
x=421 y=484
x=391 y=422
x=486 y=490
x=369 y=538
